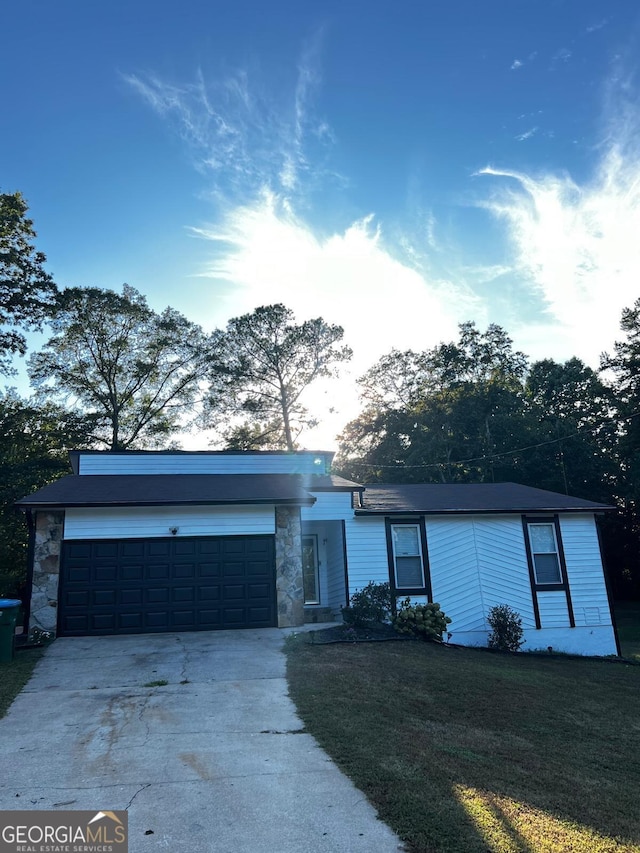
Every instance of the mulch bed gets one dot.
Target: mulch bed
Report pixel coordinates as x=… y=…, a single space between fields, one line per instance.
x=352 y=634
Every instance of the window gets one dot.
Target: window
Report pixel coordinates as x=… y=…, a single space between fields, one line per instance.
x=407 y=556
x=310 y=580
x=544 y=552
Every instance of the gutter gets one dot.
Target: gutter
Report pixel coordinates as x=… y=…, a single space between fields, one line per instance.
x=484 y=510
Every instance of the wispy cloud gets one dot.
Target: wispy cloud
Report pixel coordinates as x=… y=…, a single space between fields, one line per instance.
x=597 y=26
x=521 y=137
x=351 y=277
x=240 y=133
x=561 y=56
x=577 y=242
x=267 y=248
x=519 y=63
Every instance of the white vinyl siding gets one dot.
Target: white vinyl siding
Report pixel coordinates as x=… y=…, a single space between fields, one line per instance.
x=336 y=592
x=133 y=522
x=553 y=610
x=453 y=565
x=202 y=463
x=476 y=562
x=584 y=570
x=366 y=552
x=328 y=505
x=502 y=564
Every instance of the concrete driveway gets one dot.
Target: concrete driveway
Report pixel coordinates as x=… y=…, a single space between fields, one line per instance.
x=216 y=760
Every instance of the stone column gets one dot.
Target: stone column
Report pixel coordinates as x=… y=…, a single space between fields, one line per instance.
x=46 y=570
x=290 y=595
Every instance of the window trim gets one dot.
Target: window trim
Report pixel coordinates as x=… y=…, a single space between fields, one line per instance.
x=556 y=552
x=536 y=587
x=425 y=589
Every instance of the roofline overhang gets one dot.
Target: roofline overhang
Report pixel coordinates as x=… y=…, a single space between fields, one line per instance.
x=348 y=489
x=509 y=511
x=22 y=505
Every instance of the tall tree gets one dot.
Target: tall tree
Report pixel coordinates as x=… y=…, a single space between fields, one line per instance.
x=623 y=365
x=135 y=372
x=577 y=439
x=262 y=365
x=442 y=415
x=26 y=289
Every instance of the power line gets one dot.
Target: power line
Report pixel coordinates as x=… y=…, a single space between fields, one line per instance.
x=492 y=456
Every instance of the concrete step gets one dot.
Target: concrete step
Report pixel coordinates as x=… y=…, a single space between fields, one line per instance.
x=313 y=613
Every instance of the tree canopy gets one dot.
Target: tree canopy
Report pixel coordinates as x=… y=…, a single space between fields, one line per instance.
x=443 y=415
x=472 y=410
x=26 y=289
x=259 y=369
x=624 y=366
x=136 y=373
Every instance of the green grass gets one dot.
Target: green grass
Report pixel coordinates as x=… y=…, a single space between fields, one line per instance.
x=467 y=751
x=628 y=622
x=14 y=676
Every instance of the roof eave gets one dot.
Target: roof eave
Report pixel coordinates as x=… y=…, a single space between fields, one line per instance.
x=485 y=511
x=86 y=504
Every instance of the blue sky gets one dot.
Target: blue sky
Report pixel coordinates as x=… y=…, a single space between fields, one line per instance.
x=394 y=167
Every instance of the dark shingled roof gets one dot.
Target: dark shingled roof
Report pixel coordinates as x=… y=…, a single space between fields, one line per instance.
x=439 y=498
x=160 y=489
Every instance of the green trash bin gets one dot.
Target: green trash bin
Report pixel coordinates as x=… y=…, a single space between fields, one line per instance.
x=8 y=618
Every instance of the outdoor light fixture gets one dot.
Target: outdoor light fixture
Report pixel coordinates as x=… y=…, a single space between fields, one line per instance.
x=173 y=530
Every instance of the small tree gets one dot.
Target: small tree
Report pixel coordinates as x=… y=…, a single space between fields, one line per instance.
x=506 y=628
x=261 y=366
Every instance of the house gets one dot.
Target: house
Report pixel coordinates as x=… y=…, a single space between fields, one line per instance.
x=148 y=541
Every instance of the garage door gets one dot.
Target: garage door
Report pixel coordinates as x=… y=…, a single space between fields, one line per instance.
x=129 y=586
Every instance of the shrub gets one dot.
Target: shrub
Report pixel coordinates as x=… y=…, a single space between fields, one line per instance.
x=422 y=620
x=506 y=628
x=368 y=605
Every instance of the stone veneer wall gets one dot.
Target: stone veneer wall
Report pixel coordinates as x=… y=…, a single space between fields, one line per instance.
x=289 y=591
x=46 y=570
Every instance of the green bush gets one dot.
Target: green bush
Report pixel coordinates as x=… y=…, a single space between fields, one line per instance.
x=506 y=628
x=422 y=620
x=369 y=605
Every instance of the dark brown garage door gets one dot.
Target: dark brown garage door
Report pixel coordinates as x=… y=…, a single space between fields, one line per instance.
x=129 y=586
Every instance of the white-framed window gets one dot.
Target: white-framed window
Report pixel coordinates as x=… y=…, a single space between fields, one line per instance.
x=407 y=556
x=310 y=573
x=544 y=552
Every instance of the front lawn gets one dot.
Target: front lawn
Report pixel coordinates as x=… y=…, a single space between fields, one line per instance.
x=464 y=750
x=14 y=675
